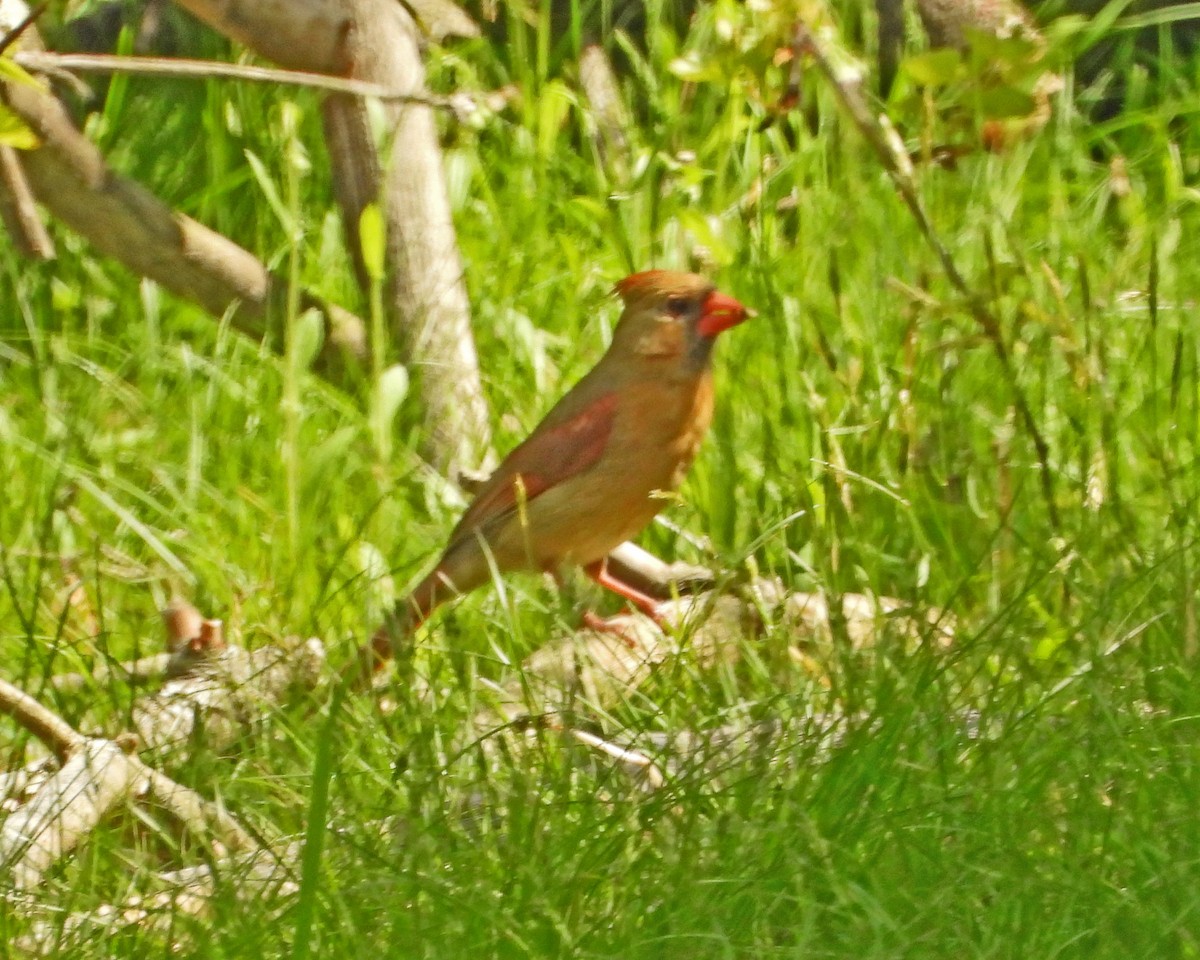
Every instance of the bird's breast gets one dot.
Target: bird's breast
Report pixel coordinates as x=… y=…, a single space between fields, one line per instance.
x=660 y=429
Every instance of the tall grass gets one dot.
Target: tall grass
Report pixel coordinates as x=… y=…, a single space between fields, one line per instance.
x=1029 y=791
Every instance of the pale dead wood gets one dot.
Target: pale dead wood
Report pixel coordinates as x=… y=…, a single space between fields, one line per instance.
x=441 y=19
x=262 y=876
x=308 y=34
x=18 y=210
x=657 y=578
x=48 y=61
x=426 y=302
x=42 y=722
x=204 y=819
x=609 y=118
x=218 y=686
x=636 y=765
x=189 y=636
x=653 y=760
x=97 y=776
x=596 y=669
x=948 y=22
x=221 y=692
x=142 y=670
x=297 y=34
x=17 y=786
x=430 y=316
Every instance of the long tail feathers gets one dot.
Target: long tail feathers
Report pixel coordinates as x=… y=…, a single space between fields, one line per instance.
x=397 y=628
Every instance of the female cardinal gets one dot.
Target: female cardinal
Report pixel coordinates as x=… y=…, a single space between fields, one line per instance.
x=590 y=476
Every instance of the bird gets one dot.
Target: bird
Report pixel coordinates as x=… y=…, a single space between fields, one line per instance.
x=594 y=471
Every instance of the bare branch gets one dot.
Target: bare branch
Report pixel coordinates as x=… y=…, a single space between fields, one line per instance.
x=125 y=221
x=600 y=668
x=50 y=62
x=377 y=41
x=18 y=211
x=846 y=80
x=43 y=723
x=67 y=807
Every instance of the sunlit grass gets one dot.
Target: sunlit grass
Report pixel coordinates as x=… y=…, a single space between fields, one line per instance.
x=1029 y=791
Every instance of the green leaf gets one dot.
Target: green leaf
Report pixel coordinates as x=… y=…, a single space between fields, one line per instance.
x=10 y=70
x=935 y=68
x=14 y=132
x=266 y=184
x=691 y=69
x=307 y=339
x=389 y=394
x=987 y=51
x=372 y=239
x=556 y=100
x=1003 y=102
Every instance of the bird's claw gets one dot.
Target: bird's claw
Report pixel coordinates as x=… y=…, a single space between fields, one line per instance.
x=623 y=626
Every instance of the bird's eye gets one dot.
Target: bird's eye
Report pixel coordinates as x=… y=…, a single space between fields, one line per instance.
x=676 y=306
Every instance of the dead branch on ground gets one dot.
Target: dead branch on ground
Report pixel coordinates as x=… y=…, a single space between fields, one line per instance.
x=215 y=687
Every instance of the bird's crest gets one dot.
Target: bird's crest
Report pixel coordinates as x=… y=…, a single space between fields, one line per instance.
x=659 y=283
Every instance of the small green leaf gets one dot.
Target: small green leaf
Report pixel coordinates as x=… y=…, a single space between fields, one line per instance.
x=935 y=68
x=389 y=394
x=10 y=70
x=307 y=338
x=989 y=50
x=372 y=238
x=556 y=100
x=14 y=132
x=1003 y=102
x=266 y=184
x=691 y=69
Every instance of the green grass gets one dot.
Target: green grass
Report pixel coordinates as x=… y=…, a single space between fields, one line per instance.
x=1029 y=792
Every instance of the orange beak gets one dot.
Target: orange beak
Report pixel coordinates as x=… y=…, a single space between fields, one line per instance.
x=721 y=312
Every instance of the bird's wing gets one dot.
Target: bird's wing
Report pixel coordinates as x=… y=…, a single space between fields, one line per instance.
x=553 y=453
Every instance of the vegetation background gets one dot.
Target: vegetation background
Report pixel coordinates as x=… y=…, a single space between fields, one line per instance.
x=1028 y=791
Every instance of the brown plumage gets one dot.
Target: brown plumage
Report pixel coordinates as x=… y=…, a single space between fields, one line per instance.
x=591 y=473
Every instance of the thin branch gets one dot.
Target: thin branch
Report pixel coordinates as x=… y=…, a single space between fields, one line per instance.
x=203 y=818
x=70 y=177
x=212 y=69
x=847 y=82
x=18 y=31
x=43 y=723
x=18 y=210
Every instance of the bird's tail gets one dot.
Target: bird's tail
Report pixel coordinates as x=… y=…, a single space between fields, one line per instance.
x=398 y=627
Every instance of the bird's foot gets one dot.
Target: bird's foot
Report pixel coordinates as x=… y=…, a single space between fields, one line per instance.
x=624 y=627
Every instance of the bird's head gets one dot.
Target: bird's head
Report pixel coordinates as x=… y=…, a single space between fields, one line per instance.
x=671 y=314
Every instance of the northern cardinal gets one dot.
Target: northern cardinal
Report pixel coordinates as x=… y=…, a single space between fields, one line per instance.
x=592 y=473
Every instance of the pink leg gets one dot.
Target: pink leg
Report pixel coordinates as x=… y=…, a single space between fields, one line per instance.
x=598 y=571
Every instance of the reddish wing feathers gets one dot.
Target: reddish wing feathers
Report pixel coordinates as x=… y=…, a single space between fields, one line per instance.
x=547 y=458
